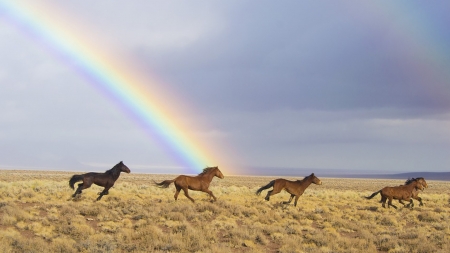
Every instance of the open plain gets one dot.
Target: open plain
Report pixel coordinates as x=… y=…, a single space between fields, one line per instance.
x=37 y=214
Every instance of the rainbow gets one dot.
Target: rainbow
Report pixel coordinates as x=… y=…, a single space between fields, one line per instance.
x=139 y=96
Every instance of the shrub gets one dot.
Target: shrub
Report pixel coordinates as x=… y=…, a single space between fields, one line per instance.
x=138 y=217
x=429 y=217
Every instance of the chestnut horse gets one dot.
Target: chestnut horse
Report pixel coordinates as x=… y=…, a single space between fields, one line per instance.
x=106 y=179
x=402 y=192
x=198 y=183
x=415 y=192
x=295 y=188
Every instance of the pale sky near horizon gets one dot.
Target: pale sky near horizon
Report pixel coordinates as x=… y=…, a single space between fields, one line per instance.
x=336 y=85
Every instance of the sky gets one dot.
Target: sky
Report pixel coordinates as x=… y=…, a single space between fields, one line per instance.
x=358 y=86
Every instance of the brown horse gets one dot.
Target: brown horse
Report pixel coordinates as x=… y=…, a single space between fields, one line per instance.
x=415 y=192
x=198 y=183
x=106 y=179
x=402 y=192
x=295 y=188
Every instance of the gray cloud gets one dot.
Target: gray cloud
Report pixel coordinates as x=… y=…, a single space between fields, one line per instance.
x=304 y=84
x=280 y=58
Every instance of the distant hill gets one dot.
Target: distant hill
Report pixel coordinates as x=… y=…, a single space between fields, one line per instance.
x=443 y=176
x=302 y=172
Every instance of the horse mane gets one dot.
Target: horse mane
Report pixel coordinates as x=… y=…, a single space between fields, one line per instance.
x=410 y=180
x=114 y=170
x=306 y=177
x=206 y=170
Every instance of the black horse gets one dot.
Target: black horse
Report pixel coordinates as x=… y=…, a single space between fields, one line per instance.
x=106 y=179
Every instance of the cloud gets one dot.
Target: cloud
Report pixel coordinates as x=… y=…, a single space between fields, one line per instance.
x=301 y=84
x=286 y=57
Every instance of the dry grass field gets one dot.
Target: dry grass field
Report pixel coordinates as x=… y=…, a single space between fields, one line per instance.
x=37 y=214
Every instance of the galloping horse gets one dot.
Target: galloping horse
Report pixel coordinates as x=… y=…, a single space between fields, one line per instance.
x=295 y=188
x=106 y=179
x=198 y=183
x=415 y=192
x=402 y=192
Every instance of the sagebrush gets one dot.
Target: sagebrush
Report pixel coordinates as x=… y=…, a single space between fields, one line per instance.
x=37 y=214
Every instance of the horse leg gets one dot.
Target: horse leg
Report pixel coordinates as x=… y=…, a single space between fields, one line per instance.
x=268 y=195
x=104 y=192
x=178 y=189
x=81 y=187
x=211 y=195
x=410 y=204
x=187 y=195
x=78 y=191
x=390 y=203
x=290 y=199
x=420 y=200
x=401 y=202
x=383 y=201
x=296 y=199
x=86 y=184
x=272 y=192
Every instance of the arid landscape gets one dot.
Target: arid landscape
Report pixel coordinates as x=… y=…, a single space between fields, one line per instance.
x=37 y=214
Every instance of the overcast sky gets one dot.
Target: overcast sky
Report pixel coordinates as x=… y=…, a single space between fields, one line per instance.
x=343 y=85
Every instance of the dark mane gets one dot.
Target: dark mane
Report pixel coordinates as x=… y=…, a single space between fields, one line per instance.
x=206 y=170
x=114 y=170
x=407 y=182
x=306 y=177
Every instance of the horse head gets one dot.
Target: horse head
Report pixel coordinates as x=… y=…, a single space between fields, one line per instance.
x=419 y=184
x=214 y=171
x=422 y=181
x=315 y=179
x=123 y=167
x=217 y=172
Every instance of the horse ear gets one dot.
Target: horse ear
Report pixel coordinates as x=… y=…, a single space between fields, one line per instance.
x=121 y=162
x=312 y=174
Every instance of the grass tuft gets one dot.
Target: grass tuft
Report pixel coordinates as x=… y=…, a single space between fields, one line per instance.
x=37 y=214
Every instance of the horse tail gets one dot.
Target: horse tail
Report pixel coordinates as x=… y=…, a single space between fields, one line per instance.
x=265 y=187
x=163 y=184
x=373 y=195
x=74 y=179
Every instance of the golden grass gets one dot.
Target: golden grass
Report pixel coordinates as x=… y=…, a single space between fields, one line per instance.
x=37 y=214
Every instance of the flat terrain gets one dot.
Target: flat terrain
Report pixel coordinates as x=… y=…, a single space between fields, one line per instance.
x=37 y=214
